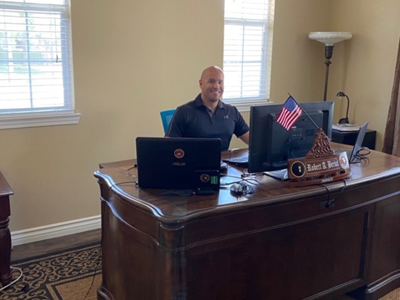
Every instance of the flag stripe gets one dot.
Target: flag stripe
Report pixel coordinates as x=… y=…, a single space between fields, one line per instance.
x=289 y=114
x=289 y=118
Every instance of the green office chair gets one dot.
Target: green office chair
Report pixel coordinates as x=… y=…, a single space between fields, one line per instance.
x=166 y=117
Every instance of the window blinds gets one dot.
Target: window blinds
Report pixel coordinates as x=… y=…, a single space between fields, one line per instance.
x=35 y=56
x=247 y=49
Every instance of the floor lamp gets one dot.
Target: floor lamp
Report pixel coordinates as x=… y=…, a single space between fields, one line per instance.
x=329 y=39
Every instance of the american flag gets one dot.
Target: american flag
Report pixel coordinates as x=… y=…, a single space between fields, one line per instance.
x=289 y=114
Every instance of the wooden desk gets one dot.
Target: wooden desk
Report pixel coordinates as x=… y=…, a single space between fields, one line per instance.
x=277 y=243
x=5 y=238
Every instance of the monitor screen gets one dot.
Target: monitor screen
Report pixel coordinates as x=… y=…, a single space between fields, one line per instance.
x=271 y=145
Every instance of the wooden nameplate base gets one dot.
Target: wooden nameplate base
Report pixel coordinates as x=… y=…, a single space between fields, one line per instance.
x=321 y=164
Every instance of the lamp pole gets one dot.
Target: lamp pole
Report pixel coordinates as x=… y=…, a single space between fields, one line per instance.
x=329 y=38
x=328 y=56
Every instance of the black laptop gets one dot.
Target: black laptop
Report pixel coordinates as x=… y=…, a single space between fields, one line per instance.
x=179 y=163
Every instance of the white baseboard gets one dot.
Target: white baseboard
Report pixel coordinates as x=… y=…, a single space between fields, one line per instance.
x=54 y=230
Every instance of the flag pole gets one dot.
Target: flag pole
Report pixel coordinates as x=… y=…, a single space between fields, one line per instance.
x=304 y=111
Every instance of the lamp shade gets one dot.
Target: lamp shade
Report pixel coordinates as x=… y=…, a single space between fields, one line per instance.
x=329 y=38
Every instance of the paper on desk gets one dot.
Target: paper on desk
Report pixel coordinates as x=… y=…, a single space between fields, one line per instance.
x=346 y=127
x=278 y=174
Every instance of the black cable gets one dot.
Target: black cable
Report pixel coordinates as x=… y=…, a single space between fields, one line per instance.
x=127 y=171
x=252 y=181
x=344 y=186
x=328 y=201
x=95 y=271
x=327 y=189
x=361 y=156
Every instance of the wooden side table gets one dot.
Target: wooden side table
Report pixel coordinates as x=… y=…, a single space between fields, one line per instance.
x=5 y=238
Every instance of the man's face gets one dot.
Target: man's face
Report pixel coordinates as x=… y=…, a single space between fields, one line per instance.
x=212 y=85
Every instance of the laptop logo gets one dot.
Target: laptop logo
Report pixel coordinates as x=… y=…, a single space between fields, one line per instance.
x=179 y=153
x=204 y=178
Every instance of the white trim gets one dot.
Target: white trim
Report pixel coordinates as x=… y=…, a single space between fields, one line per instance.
x=55 y=230
x=38 y=119
x=244 y=106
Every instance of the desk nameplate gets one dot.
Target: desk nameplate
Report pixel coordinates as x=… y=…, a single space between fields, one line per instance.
x=308 y=171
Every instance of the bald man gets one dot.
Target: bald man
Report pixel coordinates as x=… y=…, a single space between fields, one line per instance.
x=207 y=116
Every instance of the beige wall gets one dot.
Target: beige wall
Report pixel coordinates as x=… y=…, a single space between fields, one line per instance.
x=132 y=60
x=369 y=58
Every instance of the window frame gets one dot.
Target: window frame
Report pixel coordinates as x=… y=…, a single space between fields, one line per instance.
x=244 y=103
x=49 y=115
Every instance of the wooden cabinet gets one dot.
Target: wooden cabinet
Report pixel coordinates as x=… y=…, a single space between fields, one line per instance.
x=384 y=259
x=5 y=238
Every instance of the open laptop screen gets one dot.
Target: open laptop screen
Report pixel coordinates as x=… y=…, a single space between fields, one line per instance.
x=352 y=154
x=178 y=163
x=359 y=141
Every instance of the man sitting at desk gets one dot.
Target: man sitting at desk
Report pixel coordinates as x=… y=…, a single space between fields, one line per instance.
x=207 y=116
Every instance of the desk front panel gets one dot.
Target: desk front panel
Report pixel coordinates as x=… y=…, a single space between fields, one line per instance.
x=293 y=261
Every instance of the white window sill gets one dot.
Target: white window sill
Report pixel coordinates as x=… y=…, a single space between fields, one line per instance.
x=10 y=121
x=244 y=106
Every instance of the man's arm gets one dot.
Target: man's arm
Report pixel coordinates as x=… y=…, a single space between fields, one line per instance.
x=245 y=137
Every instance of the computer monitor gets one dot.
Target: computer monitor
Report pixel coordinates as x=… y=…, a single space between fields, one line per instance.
x=271 y=145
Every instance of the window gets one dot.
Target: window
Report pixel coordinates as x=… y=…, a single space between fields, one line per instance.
x=36 y=83
x=247 y=50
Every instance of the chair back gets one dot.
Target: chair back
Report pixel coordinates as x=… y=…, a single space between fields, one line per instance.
x=166 y=117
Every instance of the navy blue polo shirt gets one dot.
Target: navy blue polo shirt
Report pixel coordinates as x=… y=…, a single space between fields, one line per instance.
x=193 y=119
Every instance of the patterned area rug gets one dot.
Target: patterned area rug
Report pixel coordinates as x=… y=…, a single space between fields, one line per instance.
x=70 y=275
x=394 y=295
